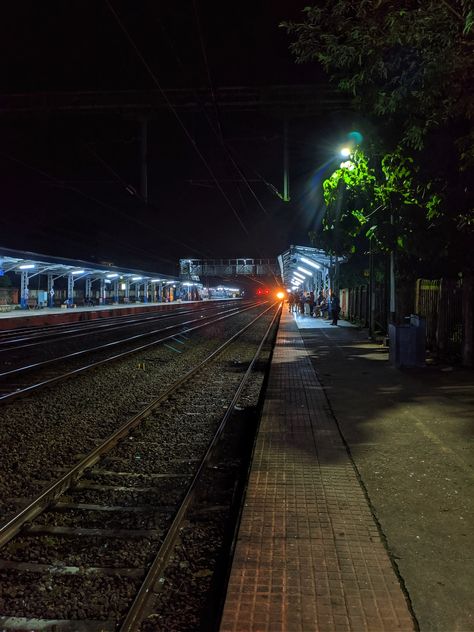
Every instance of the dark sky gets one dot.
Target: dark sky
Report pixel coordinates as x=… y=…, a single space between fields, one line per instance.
x=66 y=178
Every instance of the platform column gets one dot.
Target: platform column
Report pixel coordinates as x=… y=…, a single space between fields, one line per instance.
x=102 y=292
x=88 y=289
x=116 y=291
x=145 y=292
x=127 y=291
x=24 y=291
x=70 y=289
x=160 y=292
x=51 y=290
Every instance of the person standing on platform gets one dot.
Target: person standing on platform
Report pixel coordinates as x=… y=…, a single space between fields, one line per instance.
x=335 y=308
x=311 y=303
x=319 y=304
x=291 y=301
x=307 y=308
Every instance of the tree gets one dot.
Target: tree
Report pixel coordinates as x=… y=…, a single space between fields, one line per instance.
x=410 y=65
x=408 y=61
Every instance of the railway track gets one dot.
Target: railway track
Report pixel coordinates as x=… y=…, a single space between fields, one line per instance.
x=22 y=380
x=96 y=541
x=32 y=336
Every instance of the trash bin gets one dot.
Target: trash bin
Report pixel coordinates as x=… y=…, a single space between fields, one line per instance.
x=408 y=342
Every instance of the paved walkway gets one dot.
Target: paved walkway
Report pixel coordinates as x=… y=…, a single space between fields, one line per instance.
x=309 y=555
x=410 y=433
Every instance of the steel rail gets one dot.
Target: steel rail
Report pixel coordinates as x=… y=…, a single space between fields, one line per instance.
x=58 y=487
x=158 y=566
x=83 y=328
x=19 y=392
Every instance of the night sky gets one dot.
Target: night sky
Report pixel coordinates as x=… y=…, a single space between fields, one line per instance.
x=68 y=180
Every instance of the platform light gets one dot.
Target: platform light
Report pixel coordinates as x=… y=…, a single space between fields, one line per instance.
x=310 y=263
x=78 y=272
x=112 y=276
x=299 y=276
x=107 y=281
x=137 y=278
x=348 y=164
x=280 y=295
x=303 y=270
x=187 y=283
x=156 y=280
x=27 y=266
x=346 y=152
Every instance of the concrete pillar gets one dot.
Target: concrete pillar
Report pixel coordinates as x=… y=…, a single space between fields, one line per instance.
x=24 y=291
x=70 y=289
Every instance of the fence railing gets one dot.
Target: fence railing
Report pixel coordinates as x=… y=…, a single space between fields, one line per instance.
x=439 y=301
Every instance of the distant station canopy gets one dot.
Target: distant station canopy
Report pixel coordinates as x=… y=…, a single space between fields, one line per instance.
x=194 y=269
x=303 y=267
x=47 y=270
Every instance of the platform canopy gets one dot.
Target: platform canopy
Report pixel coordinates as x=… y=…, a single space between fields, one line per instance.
x=34 y=263
x=309 y=264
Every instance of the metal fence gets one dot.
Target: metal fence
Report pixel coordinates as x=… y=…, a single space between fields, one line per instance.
x=426 y=305
x=439 y=301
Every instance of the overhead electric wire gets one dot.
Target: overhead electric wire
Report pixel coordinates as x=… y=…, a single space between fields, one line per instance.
x=216 y=109
x=127 y=186
x=176 y=115
x=219 y=127
x=92 y=198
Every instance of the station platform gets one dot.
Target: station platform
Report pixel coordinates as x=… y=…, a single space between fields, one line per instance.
x=344 y=525
x=56 y=315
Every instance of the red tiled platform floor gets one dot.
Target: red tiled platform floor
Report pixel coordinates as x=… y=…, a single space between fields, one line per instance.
x=309 y=556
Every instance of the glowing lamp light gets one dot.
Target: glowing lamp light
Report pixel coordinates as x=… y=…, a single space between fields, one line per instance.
x=280 y=295
x=27 y=266
x=78 y=272
x=155 y=281
x=303 y=270
x=310 y=263
x=111 y=276
x=347 y=165
x=298 y=275
x=346 y=152
x=137 y=278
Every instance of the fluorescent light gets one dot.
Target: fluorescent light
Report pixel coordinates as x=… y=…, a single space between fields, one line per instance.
x=27 y=266
x=155 y=280
x=137 y=278
x=310 y=263
x=303 y=270
x=112 y=276
x=187 y=284
x=299 y=276
x=78 y=272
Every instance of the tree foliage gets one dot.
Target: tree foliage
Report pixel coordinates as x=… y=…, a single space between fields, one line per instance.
x=409 y=61
x=380 y=201
x=409 y=65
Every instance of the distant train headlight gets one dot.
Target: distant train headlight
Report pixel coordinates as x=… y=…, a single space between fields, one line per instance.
x=281 y=295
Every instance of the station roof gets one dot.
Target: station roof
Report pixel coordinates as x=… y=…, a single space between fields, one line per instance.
x=311 y=259
x=17 y=260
